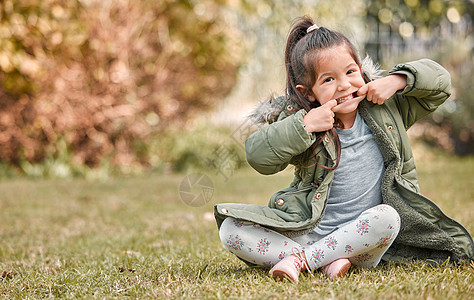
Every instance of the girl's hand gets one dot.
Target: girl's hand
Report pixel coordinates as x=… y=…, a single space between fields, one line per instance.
x=321 y=118
x=381 y=89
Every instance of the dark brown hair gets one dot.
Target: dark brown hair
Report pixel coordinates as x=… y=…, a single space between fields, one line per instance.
x=302 y=51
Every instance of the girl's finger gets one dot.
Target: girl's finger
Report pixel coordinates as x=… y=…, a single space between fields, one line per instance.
x=362 y=90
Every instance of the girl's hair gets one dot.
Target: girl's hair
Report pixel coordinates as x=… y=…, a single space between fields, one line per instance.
x=302 y=51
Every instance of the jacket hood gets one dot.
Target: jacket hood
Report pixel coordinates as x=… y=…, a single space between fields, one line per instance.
x=268 y=110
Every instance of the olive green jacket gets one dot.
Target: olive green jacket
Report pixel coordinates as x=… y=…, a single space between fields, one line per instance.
x=426 y=232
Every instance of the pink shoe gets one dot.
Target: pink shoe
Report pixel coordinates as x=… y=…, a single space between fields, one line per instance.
x=290 y=267
x=337 y=268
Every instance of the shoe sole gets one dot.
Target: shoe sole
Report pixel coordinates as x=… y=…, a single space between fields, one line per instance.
x=342 y=271
x=280 y=276
x=345 y=268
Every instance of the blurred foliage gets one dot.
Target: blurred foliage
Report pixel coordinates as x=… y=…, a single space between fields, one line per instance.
x=451 y=127
x=91 y=78
x=462 y=118
x=96 y=86
x=423 y=15
x=93 y=83
x=205 y=147
x=441 y=30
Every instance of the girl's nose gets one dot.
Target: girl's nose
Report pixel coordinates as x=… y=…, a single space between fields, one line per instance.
x=344 y=84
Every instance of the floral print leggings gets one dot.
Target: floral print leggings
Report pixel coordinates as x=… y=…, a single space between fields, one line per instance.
x=363 y=241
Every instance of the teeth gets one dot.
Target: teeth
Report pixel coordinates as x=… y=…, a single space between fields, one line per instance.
x=343 y=99
x=340 y=100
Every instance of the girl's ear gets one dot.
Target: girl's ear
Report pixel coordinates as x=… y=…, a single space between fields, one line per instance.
x=308 y=94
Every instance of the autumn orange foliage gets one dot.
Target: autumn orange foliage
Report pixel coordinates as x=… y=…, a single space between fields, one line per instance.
x=101 y=75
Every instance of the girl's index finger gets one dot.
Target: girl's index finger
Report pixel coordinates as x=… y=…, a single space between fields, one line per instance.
x=330 y=104
x=363 y=90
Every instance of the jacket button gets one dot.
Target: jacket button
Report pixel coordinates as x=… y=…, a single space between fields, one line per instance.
x=224 y=210
x=290 y=107
x=318 y=195
x=326 y=139
x=390 y=127
x=280 y=202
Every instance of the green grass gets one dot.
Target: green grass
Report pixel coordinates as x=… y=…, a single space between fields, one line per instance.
x=134 y=237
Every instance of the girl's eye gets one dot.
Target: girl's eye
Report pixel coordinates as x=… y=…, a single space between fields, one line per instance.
x=350 y=72
x=328 y=79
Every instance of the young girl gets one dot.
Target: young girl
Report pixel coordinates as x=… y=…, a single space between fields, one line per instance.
x=355 y=197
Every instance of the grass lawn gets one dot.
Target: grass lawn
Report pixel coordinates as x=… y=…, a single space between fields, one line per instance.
x=134 y=237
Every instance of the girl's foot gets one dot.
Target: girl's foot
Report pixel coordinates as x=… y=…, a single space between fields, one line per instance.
x=290 y=267
x=337 y=268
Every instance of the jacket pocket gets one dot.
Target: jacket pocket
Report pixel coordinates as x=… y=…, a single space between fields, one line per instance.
x=293 y=201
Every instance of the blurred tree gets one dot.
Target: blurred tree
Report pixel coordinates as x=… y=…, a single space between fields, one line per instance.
x=105 y=75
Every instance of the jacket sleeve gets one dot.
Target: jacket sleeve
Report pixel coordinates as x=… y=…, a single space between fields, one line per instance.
x=428 y=86
x=270 y=149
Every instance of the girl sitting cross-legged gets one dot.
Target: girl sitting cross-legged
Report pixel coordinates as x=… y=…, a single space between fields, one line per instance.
x=354 y=199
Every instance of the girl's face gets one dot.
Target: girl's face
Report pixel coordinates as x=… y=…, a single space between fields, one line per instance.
x=338 y=77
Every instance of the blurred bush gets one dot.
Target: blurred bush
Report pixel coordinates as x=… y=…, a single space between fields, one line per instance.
x=86 y=82
x=206 y=147
x=202 y=148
